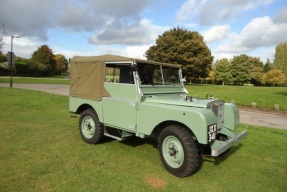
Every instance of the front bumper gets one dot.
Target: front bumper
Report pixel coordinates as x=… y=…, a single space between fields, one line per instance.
x=218 y=147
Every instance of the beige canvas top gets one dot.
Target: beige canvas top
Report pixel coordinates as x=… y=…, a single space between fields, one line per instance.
x=87 y=74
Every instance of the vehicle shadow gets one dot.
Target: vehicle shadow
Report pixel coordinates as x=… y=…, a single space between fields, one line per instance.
x=220 y=159
x=136 y=141
x=132 y=141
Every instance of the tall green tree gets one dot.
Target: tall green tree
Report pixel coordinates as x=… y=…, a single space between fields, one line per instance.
x=268 y=66
x=222 y=71
x=61 y=63
x=240 y=69
x=246 y=69
x=255 y=70
x=280 y=58
x=44 y=56
x=183 y=47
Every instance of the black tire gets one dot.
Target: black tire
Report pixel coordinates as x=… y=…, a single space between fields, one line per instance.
x=178 y=151
x=91 y=129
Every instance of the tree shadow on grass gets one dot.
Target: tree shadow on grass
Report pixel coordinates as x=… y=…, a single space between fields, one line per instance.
x=282 y=93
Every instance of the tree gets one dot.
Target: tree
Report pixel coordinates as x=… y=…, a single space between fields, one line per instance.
x=274 y=77
x=61 y=63
x=222 y=71
x=255 y=70
x=280 y=58
x=183 y=47
x=45 y=58
x=268 y=66
x=36 y=68
x=1 y=44
x=3 y=58
x=246 y=69
x=211 y=75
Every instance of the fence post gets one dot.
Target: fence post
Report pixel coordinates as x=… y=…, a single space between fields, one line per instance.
x=276 y=107
x=254 y=105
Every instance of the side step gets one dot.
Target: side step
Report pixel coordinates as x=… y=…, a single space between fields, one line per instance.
x=117 y=133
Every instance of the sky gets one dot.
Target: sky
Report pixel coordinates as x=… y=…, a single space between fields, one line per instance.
x=130 y=27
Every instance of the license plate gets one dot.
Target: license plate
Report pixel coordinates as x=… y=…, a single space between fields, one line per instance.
x=212 y=129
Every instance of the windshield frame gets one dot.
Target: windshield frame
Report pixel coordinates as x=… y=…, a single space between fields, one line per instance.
x=162 y=80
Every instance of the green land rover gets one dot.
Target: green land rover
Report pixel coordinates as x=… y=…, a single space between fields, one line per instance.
x=122 y=97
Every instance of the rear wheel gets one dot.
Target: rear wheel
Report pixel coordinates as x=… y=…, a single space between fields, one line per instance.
x=91 y=129
x=178 y=151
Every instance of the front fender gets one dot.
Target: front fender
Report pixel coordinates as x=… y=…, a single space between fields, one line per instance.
x=196 y=119
x=231 y=116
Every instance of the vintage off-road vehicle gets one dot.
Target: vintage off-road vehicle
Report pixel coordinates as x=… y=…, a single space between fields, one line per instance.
x=122 y=97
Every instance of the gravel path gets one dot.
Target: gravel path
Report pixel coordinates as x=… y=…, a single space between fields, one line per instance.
x=246 y=117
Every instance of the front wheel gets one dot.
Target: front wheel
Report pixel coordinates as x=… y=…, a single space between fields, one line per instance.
x=178 y=151
x=91 y=129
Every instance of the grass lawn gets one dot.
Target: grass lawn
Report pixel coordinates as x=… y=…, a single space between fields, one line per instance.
x=41 y=150
x=45 y=80
x=265 y=97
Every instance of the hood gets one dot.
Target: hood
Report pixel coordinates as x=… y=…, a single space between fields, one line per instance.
x=178 y=101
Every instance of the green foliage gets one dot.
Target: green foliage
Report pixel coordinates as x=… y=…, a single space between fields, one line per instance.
x=280 y=58
x=187 y=48
x=211 y=75
x=222 y=71
x=37 y=68
x=3 y=58
x=61 y=63
x=4 y=68
x=268 y=66
x=22 y=67
x=41 y=150
x=43 y=61
x=274 y=77
x=255 y=70
x=246 y=69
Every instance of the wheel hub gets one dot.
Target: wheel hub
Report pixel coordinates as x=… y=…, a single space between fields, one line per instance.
x=88 y=127
x=172 y=151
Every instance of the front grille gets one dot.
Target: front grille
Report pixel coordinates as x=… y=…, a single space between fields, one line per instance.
x=217 y=107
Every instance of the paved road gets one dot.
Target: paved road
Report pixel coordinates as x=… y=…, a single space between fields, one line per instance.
x=246 y=117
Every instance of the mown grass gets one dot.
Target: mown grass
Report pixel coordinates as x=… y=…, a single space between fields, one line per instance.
x=41 y=150
x=264 y=97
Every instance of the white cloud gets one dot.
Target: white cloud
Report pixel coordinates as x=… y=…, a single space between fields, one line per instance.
x=23 y=46
x=207 y=12
x=262 y=32
x=281 y=16
x=258 y=38
x=216 y=33
x=186 y=10
x=35 y=18
x=136 y=51
x=142 y=33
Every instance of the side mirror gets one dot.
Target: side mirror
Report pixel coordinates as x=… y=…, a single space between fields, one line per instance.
x=134 y=67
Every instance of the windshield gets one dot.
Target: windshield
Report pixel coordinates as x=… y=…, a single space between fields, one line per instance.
x=158 y=75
